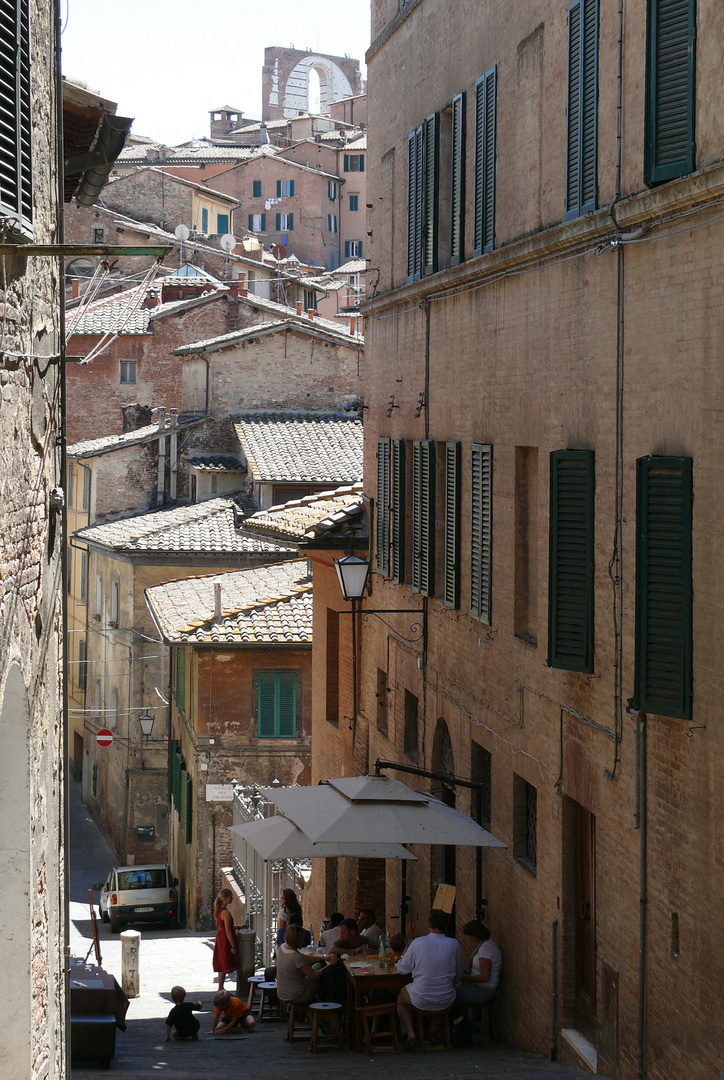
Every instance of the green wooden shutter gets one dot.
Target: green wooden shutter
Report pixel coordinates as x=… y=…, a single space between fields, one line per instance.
x=571 y=566
x=263 y=222
x=256 y=189
x=361 y=163
x=452 y=524
x=172 y=747
x=663 y=672
x=485 y=110
x=180 y=678
x=398 y=510
x=415 y=196
x=383 y=506
x=431 y=149
x=266 y=706
x=457 y=181
x=346 y=162
x=279 y=189
x=183 y=799
x=291 y=188
x=16 y=193
x=189 y=804
x=222 y=223
x=481 y=530
x=423 y=516
x=279 y=222
x=177 y=765
x=581 y=167
x=287 y=705
x=204 y=220
x=251 y=223
x=290 y=222
x=670 y=99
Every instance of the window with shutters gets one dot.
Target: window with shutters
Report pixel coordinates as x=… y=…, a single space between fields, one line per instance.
x=525 y=824
x=257 y=223
x=115 y=606
x=382 y=696
x=180 y=681
x=71 y=485
x=582 y=113
x=663 y=671
x=422 y=196
x=222 y=223
x=204 y=220
x=423 y=517
x=82 y=665
x=332 y=672
x=481 y=771
x=285 y=222
x=285 y=189
x=16 y=192
x=354 y=163
x=570 y=560
x=451 y=567
x=354 y=203
x=481 y=530
x=669 y=145
x=84 y=577
x=86 y=488
x=276 y=704
x=398 y=509
x=353 y=249
x=256 y=189
x=485 y=115
x=332 y=190
x=332 y=223
x=457 y=180
x=382 y=519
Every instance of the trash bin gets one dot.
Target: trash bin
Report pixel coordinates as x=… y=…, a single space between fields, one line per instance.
x=246 y=945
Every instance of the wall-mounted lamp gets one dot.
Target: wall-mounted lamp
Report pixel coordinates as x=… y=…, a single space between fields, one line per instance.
x=352 y=573
x=146 y=721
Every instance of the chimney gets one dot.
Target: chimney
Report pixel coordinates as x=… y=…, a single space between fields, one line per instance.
x=153 y=299
x=299 y=307
x=217 y=601
x=136 y=416
x=353 y=326
x=236 y=288
x=311 y=313
x=75 y=288
x=161 y=419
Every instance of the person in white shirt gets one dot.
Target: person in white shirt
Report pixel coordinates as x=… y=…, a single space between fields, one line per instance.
x=328 y=937
x=368 y=928
x=480 y=978
x=435 y=965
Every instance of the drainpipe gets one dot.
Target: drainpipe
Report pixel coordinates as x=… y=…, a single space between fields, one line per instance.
x=641 y=822
x=161 y=482
x=173 y=465
x=554 y=989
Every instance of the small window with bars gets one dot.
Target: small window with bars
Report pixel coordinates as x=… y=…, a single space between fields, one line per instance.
x=525 y=824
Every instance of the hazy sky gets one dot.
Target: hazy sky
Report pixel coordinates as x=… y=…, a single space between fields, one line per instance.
x=169 y=62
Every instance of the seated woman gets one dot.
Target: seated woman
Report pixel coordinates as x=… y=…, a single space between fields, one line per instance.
x=294 y=919
x=296 y=978
x=480 y=978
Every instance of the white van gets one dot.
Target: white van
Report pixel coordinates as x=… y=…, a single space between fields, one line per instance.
x=133 y=894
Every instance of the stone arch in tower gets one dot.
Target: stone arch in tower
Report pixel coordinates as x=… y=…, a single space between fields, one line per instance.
x=285 y=81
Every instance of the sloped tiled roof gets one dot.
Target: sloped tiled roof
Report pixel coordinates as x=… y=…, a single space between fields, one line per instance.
x=207 y=528
x=111 y=314
x=93 y=447
x=299 y=448
x=354 y=266
x=265 y=605
x=217 y=463
x=326 y=515
x=359 y=143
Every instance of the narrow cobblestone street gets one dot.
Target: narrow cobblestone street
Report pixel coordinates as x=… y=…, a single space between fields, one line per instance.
x=182 y=957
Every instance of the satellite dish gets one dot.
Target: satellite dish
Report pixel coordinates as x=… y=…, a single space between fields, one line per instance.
x=181 y=233
x=228 y=242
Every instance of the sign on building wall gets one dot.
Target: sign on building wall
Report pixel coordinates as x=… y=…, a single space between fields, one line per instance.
x=219 y=792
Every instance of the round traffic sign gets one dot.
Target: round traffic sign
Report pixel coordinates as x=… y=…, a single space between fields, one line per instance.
x=104 y=737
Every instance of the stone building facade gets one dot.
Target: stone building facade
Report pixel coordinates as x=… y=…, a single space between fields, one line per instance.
x=542 y=445
x=285 y=81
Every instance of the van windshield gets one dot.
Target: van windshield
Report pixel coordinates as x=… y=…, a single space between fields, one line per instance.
x=141 y=879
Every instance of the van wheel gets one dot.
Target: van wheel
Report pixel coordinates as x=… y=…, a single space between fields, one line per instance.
x=115 y=927
x=172 y=924
x=104 y=915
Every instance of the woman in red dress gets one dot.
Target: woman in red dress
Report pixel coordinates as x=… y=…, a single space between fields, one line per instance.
x=226 y=959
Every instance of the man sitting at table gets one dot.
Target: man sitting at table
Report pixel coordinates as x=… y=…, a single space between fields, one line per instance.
x=370 y=932
x=435 y=965
x=349 y=940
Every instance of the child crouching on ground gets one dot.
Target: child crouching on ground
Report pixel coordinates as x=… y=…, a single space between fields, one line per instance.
x=181 y=1016
x=233 y=1013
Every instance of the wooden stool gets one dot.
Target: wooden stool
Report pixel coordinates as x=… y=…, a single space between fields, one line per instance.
x=441 y=1014
x=373 y=1011
x=253 y=982
x=295 y=1012
x=489 y=1009
x=330 y=1010
x=265 y=991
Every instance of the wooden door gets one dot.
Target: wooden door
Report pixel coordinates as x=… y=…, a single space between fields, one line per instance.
x=585 y=921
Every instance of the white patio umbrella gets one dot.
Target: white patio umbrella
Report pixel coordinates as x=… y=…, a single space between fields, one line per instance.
x=358 y=809
x=278 y=838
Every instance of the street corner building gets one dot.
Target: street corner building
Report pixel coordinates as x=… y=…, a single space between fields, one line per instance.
x=542 y=444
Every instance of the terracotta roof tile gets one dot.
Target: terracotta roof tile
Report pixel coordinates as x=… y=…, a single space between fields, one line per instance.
x=317 y=448
x=328 y=514
x=269 y=605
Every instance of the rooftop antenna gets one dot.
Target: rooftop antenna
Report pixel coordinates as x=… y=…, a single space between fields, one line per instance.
x=181 y=233
x=228 y=243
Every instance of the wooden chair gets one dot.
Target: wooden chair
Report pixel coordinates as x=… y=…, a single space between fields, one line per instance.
x=266 y=990
x=331 y=1011
x=253 y=982
x=372 y=1012
x=441 y=1014
x=295 y=1012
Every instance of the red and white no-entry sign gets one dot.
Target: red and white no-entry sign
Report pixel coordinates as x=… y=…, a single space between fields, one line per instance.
x=104 y=737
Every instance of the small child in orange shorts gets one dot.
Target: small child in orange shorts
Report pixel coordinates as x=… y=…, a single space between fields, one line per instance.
x=232 y=1012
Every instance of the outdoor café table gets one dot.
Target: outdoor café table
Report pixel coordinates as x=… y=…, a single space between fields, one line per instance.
x=361 y=980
